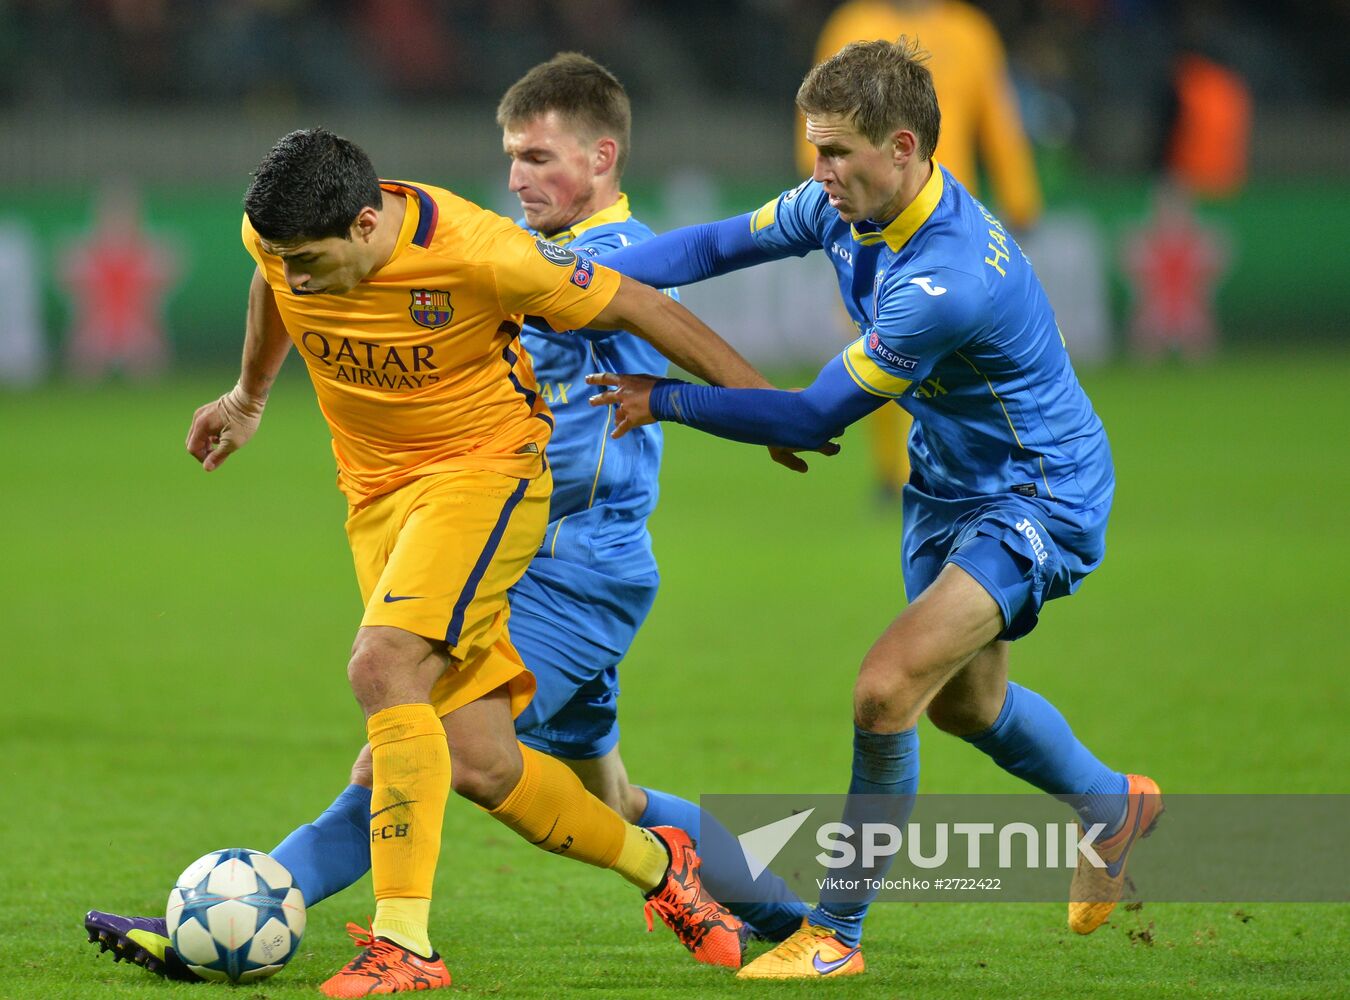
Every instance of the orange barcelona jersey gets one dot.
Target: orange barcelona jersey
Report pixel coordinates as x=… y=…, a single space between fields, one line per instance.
x=419 y=369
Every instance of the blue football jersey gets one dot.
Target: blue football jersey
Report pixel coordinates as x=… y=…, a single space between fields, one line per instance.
x=954 y=325
x=604 y=489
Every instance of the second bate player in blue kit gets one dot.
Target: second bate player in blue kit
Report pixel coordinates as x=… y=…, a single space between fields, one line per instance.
x=578 y=607
x=1012 y=478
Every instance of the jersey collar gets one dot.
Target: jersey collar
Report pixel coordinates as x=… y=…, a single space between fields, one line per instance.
x=618 y=212
x=422 y=217
x=898 y=232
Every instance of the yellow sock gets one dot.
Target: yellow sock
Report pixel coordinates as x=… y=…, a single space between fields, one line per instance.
x=404 y=921
x=407 y=809
x=643 y=860
x=551 y=808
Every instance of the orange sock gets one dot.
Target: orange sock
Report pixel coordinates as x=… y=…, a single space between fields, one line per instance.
x=551 y=808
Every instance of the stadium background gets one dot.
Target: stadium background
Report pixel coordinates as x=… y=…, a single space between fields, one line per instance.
x=173 y=643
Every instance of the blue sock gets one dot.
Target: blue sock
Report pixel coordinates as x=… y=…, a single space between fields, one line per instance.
x=1032 y=740
x=331 y=853
x=885 y=779
x=778 y=911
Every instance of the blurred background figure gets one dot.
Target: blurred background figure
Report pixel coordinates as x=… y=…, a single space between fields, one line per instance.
x=981 y=133
x=1175 y=261
x=116 y=279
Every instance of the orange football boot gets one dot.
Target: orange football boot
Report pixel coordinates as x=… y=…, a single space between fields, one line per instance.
x=384 y=967
x=1095 y=891
x=711 y=932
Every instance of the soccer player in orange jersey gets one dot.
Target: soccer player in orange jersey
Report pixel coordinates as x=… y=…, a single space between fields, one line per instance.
x=406 y=304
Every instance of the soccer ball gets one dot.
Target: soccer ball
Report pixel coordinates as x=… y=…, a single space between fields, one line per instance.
x=235 y=915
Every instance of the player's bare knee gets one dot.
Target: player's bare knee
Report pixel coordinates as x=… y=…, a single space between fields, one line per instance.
x=877 y=698
x=872 y=706
x=368 y=676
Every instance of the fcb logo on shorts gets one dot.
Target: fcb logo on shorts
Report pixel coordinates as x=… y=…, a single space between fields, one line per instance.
x=582 y=273
x=431 y=308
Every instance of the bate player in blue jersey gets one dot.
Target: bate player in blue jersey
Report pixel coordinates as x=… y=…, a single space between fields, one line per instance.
x=578 y=607
x=1007 y=504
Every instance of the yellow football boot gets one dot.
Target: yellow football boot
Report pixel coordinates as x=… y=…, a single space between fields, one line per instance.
x=1095 y=891
x=810 y=953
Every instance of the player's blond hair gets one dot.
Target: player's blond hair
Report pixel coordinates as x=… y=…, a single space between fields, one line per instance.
x=588 y=96
x=881 y=86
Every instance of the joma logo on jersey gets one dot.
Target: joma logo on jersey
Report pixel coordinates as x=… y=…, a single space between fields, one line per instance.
x=1034 y=537
x=895 y=359
x=431 y=308
x=842 y=254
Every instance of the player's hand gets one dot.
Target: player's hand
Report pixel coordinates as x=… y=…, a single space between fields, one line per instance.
x=223 y=427
x=790 y=458
x=630 y=397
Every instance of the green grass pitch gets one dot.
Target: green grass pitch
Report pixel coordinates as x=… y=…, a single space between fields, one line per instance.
x=174 y=648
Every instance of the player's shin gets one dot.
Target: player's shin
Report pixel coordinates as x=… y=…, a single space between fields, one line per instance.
x=407 y=808
x=326 y=856
x=1033 y=741
x=885 y=779
x=552 y=809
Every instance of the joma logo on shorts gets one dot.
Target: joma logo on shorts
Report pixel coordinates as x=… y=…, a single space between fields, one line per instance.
x=1034 y=537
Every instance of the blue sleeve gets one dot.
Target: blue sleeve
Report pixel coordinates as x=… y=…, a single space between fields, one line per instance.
x=806 y=419
x=684 y=256
x=793 y=224
x=919 y=319
x=786 y=226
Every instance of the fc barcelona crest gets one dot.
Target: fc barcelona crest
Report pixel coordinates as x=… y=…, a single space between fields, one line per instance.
x=431 y=308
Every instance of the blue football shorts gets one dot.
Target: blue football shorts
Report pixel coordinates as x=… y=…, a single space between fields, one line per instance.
x=572 y=627
x=1024 y=551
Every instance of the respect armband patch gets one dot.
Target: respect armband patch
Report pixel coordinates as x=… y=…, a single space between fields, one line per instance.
x=582 y=273
x=898 y=361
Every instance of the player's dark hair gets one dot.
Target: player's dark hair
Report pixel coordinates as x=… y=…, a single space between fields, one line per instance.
x=580 y=90
x=311 y=186
x=881 y=86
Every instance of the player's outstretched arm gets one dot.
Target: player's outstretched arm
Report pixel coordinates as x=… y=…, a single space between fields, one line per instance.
x=688 y=255
x=225 y=425
x=678 y=334
x=686 y=340
x=799 y=420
